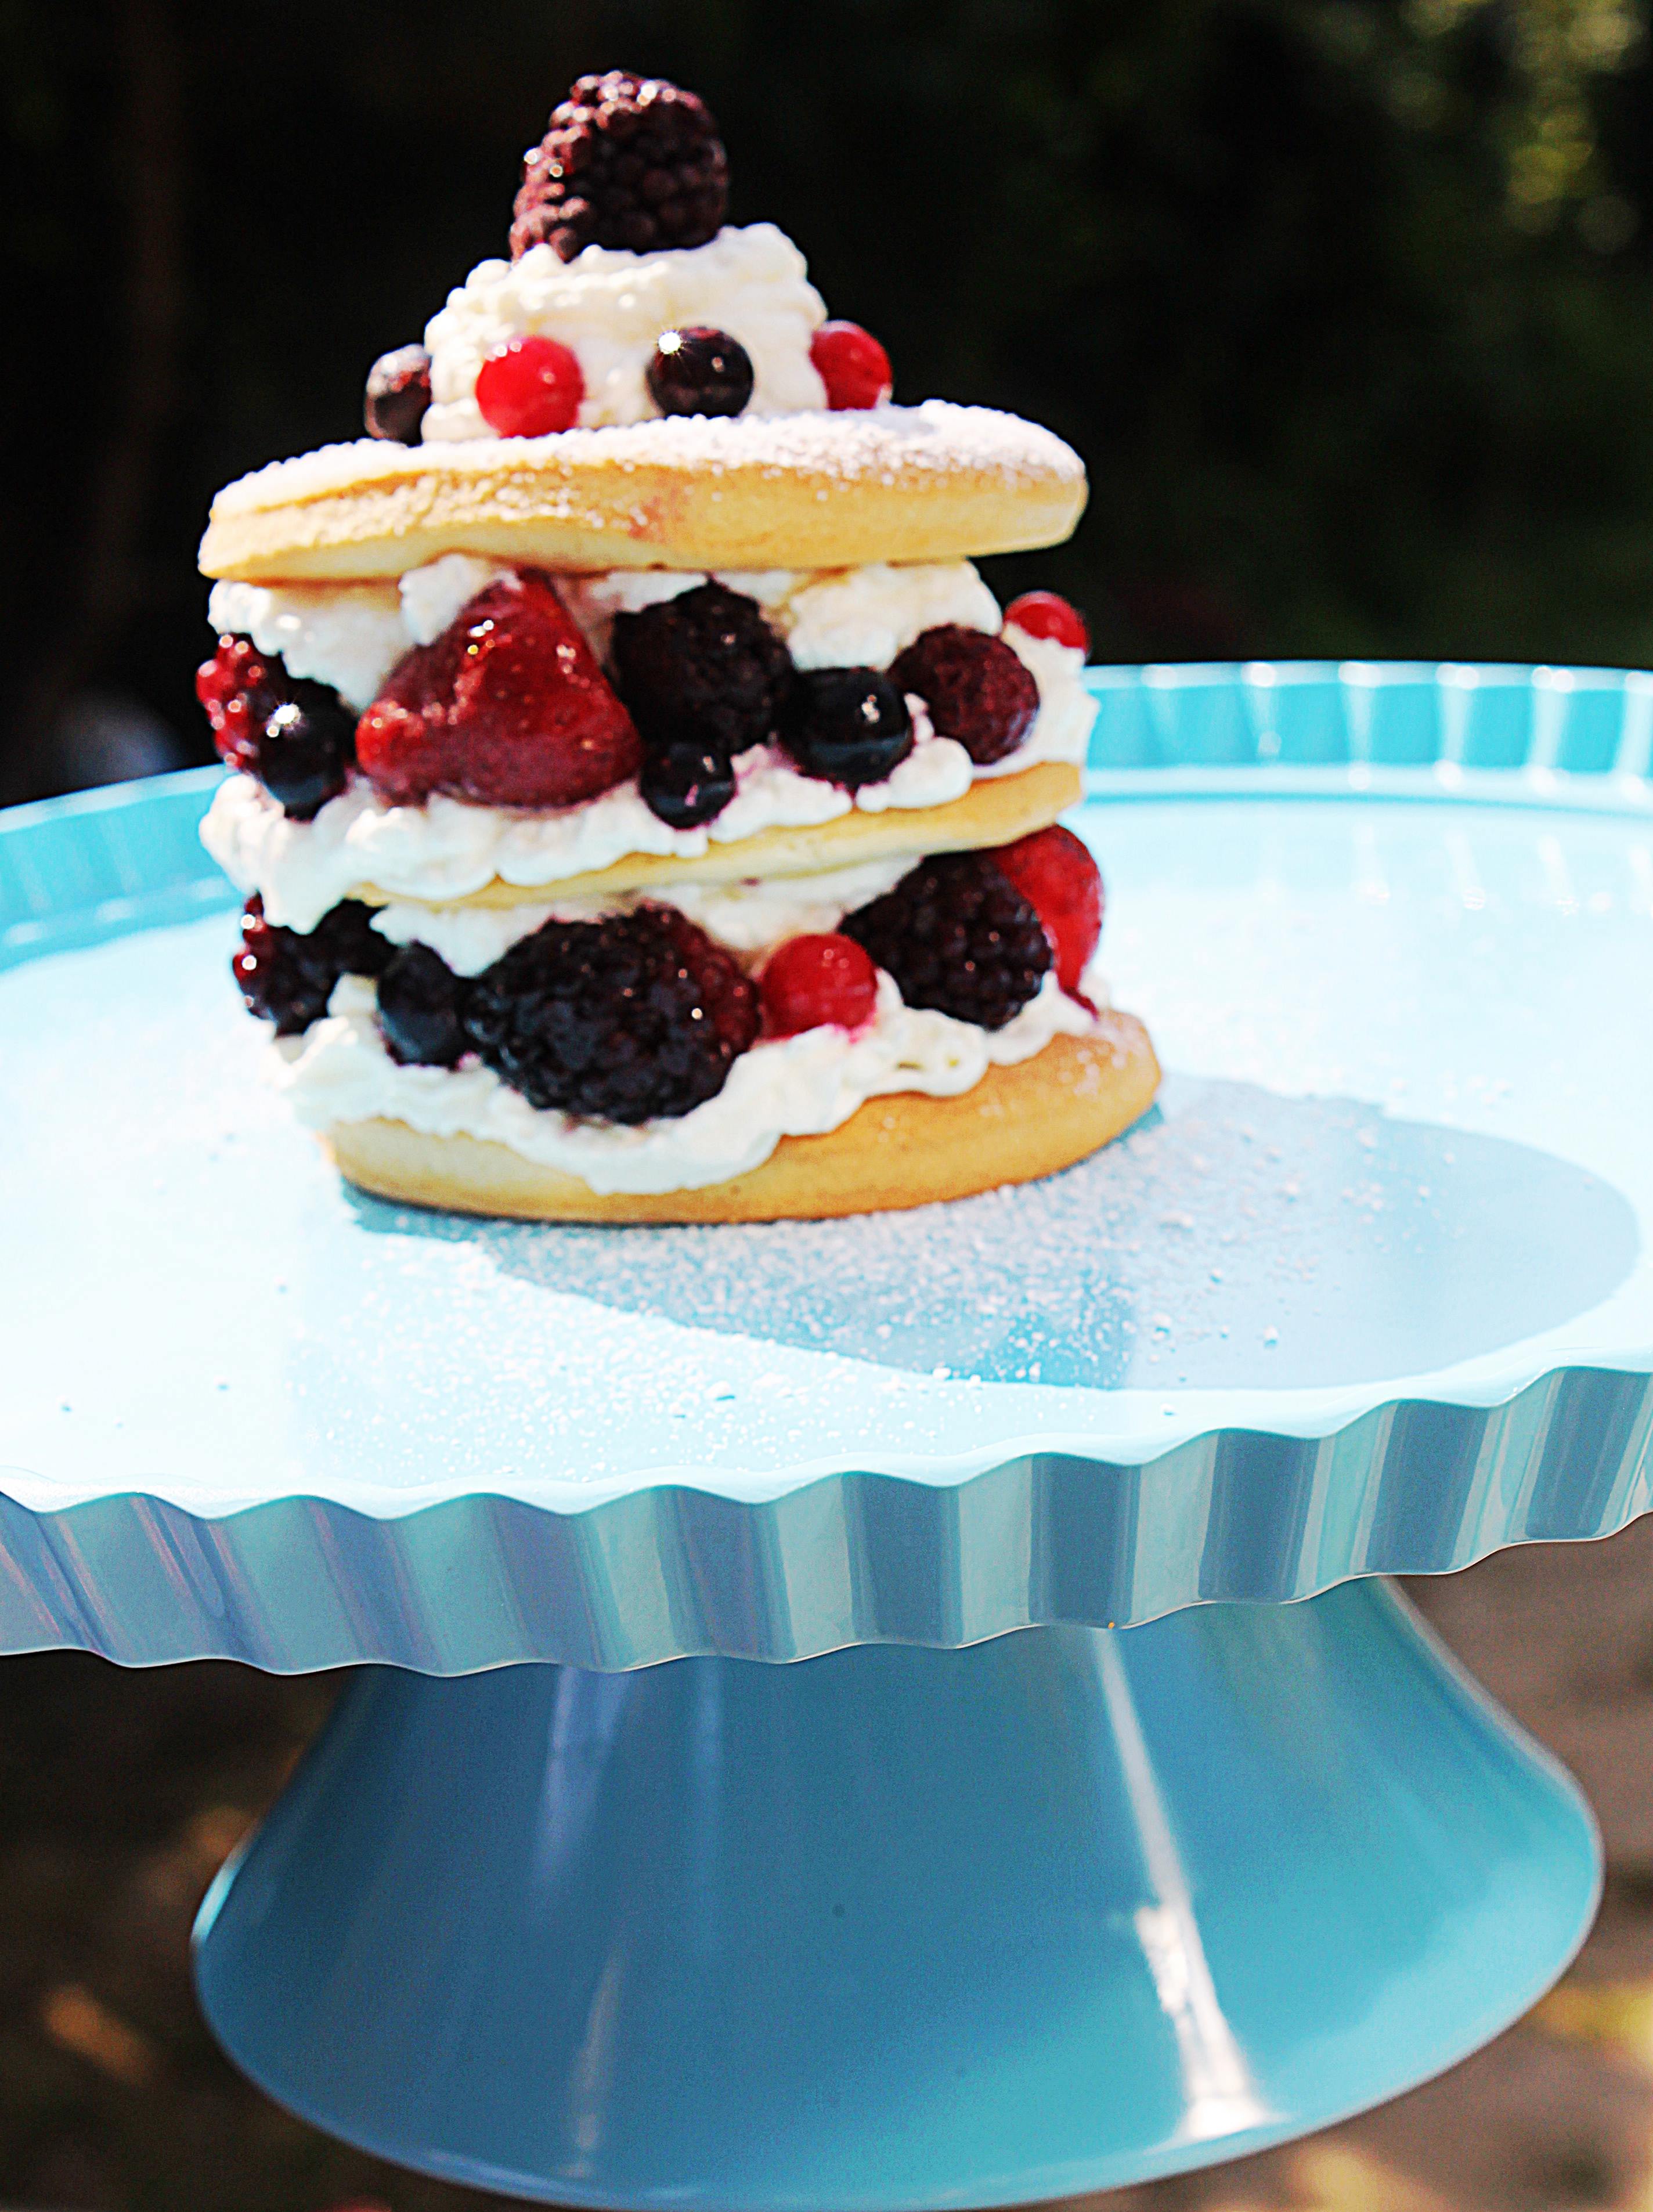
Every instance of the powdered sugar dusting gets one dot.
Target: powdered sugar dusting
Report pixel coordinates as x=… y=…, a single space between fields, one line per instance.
x=851 y=446
x=1234 y=1238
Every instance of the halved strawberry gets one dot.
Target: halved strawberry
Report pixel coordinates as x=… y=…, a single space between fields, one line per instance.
x=1057 y=877
x=508 y=707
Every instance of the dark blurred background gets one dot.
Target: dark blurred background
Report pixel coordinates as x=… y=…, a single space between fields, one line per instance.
x=1347 y=303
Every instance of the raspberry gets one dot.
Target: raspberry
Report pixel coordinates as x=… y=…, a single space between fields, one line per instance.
x=852 y=364
x=705 y=665
x=1056 y=875
x=239 y=688
x=958 y=936
x=293 y=735
x=1046 y=614
x=422 y=1008
x=638 y=1016
x=974 y=687
x=810 y=981
x=398 y=394
x=532 y=386
x=628 y=161
x=508 y=707
x=699 y=370
x=848 y=725
x=288 y=976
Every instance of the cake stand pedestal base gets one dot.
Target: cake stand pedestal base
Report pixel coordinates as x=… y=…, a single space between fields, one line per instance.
x=897 y=1927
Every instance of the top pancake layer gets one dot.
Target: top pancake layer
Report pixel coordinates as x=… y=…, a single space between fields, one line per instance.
x=831 y=491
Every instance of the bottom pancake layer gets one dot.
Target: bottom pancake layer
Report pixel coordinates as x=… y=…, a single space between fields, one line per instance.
x=1017 y=1124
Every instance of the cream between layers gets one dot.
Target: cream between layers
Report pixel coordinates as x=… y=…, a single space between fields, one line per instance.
x=749 y=917
x=448 y=848
x=339 y=1072
x=609 y=306
x=445 y=848
x=352 y=636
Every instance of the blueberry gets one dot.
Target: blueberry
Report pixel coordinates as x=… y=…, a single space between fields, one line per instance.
x=399 y=392
x=305 y=751
x=422 y=1008
x=699 y=370
x=346 y=938
x=687 y=782
x=848 y=725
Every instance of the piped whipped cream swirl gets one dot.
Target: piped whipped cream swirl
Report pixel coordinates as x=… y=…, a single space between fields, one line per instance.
x=609 y=305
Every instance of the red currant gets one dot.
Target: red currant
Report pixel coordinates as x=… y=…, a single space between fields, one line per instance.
x=1056 y=876
x=1046 y=614
x=852 y=364
x=530 y=387
x=813 y=980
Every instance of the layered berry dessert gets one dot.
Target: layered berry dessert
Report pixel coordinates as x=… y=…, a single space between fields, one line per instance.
x=646 y=809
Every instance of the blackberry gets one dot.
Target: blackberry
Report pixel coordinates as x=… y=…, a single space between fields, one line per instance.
x=704 y=666
x=627 y=1018
x=628 y=161
x=422 y=1008
x=699 y=370
x=849 y=725
x=958 y=936
x=287 y=975
x=978 y=689
x=397 y=395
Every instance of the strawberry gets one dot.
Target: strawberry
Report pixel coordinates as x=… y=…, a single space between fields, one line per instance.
x=506 y=707
x=1057 y=877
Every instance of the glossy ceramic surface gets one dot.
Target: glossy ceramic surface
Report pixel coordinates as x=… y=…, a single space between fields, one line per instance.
x=1371 y=1290
x=901 y=1926
x=897 y=1927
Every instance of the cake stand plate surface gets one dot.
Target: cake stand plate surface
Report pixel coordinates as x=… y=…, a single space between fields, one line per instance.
x=943 y=1915
x=1369 y=1289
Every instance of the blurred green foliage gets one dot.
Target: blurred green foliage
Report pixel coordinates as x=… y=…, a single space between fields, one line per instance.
x=1347 y=303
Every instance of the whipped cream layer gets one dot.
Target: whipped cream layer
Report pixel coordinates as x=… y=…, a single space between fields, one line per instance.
x=352 y=636
x=748 y=918
x=340 y=1071
x=445 y=848
x=609 y=306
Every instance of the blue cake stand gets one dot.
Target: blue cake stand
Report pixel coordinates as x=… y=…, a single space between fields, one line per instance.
x=942 y=1915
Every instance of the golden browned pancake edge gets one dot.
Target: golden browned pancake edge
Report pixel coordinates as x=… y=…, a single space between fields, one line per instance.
x=595 y=501
x=906 y=1149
